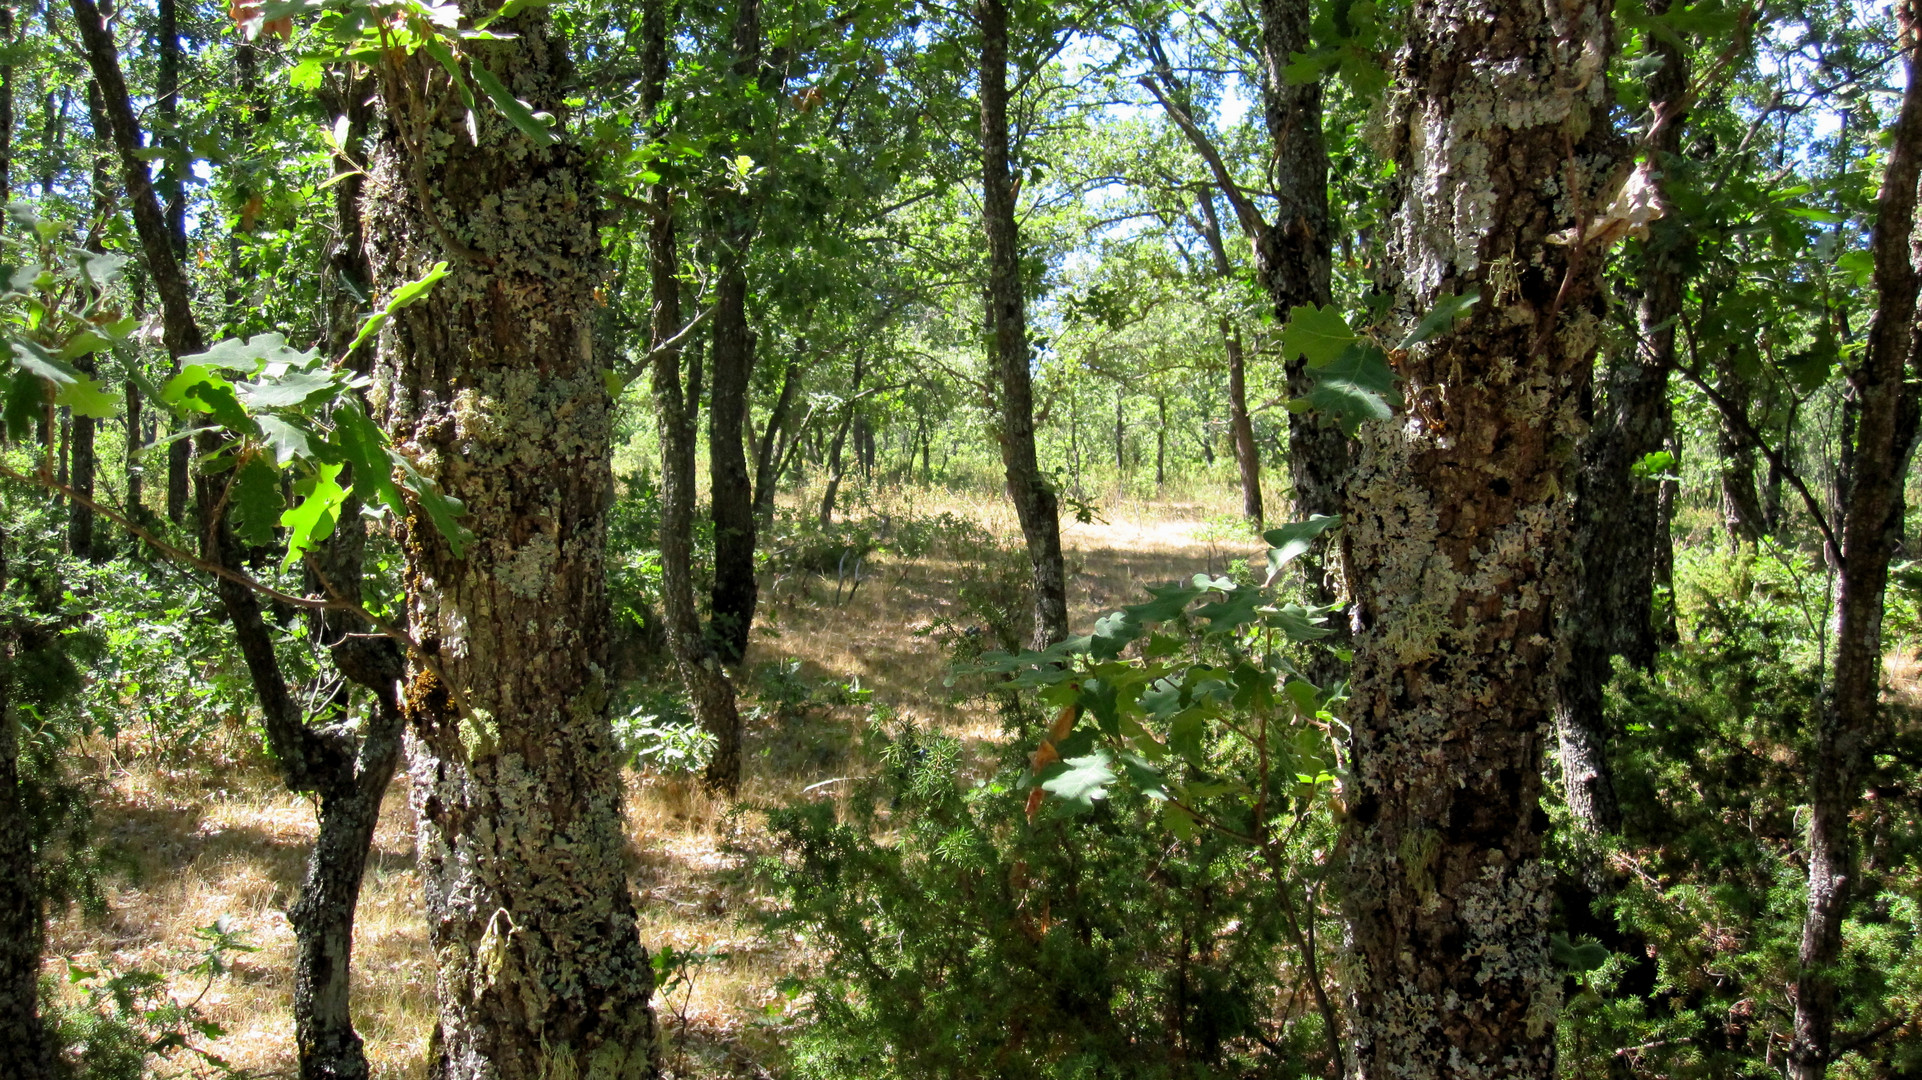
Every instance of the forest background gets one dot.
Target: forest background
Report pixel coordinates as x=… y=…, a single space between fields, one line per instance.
x=1007 y=539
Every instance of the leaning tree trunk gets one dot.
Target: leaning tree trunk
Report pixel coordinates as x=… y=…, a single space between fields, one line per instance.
x=492 y=386
x=708 y=688
x=1240 y=426
x=836 y=466
x=1457 y=537
x=29 y=1055
x=1035 y=504
x=173 y=194
x=1852 y=727
x=1621 y=536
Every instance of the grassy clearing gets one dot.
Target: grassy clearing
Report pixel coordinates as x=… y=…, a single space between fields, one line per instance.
x=201 y=840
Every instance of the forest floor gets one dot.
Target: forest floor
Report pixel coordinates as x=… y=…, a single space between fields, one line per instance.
x=201 y=841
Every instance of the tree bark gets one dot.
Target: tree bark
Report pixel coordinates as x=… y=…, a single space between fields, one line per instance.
x=1621 y=536
x=1457 y=538
x=348 y=771
x=172 y=191
x=23 y=931
x=1852 y=727
x=1035 y=503
x=1741 y=503
x=708 y=688
x=492 y=384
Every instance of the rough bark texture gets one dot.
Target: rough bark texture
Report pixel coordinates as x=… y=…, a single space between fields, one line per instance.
x=1742 y=512
x=1621 y=536
x=1852 y=727
x=1457 y=538
x=493 y=387
x=27 y=1054
x=1035 y=504
x=675 y=404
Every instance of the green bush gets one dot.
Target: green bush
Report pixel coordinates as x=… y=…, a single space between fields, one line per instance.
x=972 y=942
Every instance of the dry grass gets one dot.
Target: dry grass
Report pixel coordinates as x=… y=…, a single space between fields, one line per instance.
x=209 y=842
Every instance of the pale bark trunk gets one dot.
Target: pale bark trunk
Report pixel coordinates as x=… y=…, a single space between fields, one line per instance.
x=1457 y=537
x=1035 y=503
x=1620 y=534
x=708 y=688
x=1852 y=727
x=492 y=384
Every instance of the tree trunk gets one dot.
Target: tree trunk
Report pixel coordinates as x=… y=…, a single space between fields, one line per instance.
x=348 y=771
x=708 y=688
x=172 y=191
x=29 y=1056
x=835 y=469
x=492 y=384
x=1741 y=503
x=1457 y=539
x=1620 y=534
x=1852 y=727
x=1240 y=428
x=776 y=440
x=6 y=109
x=1161 y=440
x=731 y=492
x=1035 y=504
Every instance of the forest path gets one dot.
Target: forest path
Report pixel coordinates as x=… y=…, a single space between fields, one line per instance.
x=202 y=834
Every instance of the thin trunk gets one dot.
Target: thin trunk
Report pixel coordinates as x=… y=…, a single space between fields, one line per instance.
x=731 y=493
x=6 y=109
x=708 y=688
x=1035 y=504
x=171 y=190
x=23 y=931
x=1241 y=428
x=1120 y=435
x=1620 y=536
x=1457 y=540
x=834 y=467
x=1741 y=504
x=776 y=439
x=1852 y=727
x=348 y=771
x=1161 y=440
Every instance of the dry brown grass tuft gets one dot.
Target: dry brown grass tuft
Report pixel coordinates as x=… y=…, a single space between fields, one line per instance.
x=217 y=841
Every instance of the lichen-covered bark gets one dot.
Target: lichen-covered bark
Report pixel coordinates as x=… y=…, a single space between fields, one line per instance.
x=1852 y=727
x=1457 y=535
x=1035 y=504
x=1621 y=539
x=493 y=388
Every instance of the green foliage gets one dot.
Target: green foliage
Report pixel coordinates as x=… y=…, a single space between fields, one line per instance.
x=1706 y=923
x=978 y=943
x=133 y=1021
x=659 y=732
